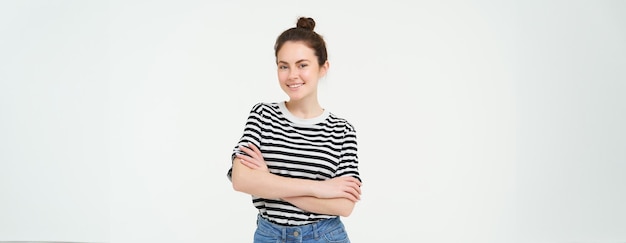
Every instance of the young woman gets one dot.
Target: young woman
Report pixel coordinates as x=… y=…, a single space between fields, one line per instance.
x=297 y=160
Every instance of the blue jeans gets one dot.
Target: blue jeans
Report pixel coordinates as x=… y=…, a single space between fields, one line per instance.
x=327 y=230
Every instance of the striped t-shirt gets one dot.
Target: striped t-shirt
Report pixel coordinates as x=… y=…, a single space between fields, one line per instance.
x=319 y=148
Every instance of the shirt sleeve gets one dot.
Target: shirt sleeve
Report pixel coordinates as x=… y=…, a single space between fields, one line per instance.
x=349 y=161
x=251 y=134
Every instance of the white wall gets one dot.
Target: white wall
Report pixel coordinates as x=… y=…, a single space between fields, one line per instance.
x=482 y=121
x=54 y=148
x=571 y=110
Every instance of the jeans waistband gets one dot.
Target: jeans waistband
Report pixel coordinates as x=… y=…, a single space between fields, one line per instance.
x=312 y=230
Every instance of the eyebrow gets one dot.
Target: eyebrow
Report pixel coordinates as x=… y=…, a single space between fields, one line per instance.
x=299 y=61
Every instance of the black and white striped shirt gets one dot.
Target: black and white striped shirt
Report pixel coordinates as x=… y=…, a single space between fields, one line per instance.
x=319 y=148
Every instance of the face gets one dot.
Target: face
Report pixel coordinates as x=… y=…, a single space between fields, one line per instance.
x=298 y=70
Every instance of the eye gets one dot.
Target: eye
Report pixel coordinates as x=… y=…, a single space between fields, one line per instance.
x=303 y=65
x=282 y=67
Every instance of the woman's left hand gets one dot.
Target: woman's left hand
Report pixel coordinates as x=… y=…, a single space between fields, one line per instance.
x=253 y=158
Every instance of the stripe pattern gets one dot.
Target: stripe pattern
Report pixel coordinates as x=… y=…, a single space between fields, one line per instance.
x=315 y=149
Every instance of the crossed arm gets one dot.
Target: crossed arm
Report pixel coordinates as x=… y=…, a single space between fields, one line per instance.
x=335 y=196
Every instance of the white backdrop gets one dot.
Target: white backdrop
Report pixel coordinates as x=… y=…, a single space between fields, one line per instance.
x=478 y=121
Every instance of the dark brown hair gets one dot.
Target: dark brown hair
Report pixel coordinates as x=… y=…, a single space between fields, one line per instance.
x=304 y=32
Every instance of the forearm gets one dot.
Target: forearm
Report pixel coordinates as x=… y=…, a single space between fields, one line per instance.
x=267 y=185
x=330 y=206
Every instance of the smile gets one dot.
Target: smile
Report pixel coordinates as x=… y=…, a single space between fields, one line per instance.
x=295 y=85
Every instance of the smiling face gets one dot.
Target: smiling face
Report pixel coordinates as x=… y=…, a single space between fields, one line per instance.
x=299 y=71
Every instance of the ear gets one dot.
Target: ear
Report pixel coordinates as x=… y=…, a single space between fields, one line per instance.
x=324 y=68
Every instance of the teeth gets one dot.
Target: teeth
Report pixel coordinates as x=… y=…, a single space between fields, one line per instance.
x=294 y=85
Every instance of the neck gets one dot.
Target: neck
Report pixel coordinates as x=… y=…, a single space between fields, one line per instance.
x=304 y=109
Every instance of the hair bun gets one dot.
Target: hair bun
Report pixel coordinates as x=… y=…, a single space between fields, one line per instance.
x=306 y=23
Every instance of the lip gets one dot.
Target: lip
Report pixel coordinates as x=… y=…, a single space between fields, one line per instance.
x=295 y=85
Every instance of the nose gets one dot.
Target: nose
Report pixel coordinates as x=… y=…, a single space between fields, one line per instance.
x=293 y=73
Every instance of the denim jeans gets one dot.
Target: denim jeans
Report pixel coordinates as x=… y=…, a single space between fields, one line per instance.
x=327 y=230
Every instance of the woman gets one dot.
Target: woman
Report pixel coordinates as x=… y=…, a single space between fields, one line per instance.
x=297 y=160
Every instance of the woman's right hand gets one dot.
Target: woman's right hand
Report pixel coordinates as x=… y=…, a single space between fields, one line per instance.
x=339 y=187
